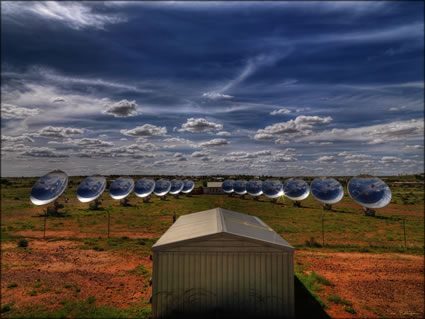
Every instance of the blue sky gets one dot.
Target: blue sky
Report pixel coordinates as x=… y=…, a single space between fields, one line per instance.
x=261 y=88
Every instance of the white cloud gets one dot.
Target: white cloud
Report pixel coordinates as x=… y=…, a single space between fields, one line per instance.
x=216 y=96
x=16 y=139
x=223 y=133
x=42 y=152
x=281 y=141
x=58 y=100
x=326 y=159
x=376 y=141
x=85 y=142
x=358 y=157
x=375 y=134
x=76 y=15
x=145 y=130
x=280 y=111
x=326 y=143
x=215 y=142
x=413 y=147
x=9 y=111
x=123 y=108
x=200 y=154
x=59 y=132
x=391 y=160
x=395 y=109
x=263 y=136
x=302 y=125
x=199 y=125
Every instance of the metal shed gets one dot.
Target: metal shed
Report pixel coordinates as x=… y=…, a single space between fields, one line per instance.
x=219 y=263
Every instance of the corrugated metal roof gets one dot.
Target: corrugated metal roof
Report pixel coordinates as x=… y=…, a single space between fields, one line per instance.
x=218 y=220
x=214 y=184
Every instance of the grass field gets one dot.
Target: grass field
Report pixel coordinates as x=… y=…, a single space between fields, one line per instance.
x=135 y=228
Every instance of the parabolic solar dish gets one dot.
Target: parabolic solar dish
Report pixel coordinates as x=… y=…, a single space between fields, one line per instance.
x=272 y=189
x=188 y=186
x=228 y=186
x=144 y=187
x=176 y=186
x=162 y=187
x=121 y=187
x=296 y=189
x=370 y=192
x=91 y=188
x=254 y=188
x=327 y=190
x=49 y=187
x=240 y=187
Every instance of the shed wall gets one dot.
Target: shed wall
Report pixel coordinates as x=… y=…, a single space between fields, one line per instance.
x=258 y=281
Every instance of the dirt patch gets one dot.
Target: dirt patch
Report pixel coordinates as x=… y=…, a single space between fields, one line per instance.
x=61 y=270
x=378 y=285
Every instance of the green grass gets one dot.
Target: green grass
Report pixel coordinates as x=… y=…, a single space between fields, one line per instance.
x=338 y=300
x=79 y=309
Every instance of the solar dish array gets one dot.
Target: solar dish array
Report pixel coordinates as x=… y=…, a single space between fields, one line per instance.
x=50 y=186
x=369 y=192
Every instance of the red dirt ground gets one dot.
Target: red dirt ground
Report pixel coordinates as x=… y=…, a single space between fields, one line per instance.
x=101 y=274
x=378 y=285
x=390 y=285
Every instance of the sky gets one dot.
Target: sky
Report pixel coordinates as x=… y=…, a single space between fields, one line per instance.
x=191 y=88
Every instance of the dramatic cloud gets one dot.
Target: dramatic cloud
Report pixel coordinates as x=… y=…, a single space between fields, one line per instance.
x=223 y=133
x=215 y=142
x=58 y=100
x=123 y=108
x=145 y=130
x=216 y=96
x=9 y=111
x=280 y=112
x=199 y=125
x=59 y=132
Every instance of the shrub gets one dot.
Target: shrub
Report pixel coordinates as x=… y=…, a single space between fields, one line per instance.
x=23 y=243
x=91 y=300
x=312 y=243
x=322 y=279
x=5 y=308
x=338 y=300
x=12 y=285
x=350 y=310
x=32 y=293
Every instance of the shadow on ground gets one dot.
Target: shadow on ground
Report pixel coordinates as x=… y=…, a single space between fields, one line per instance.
x=306 y=306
